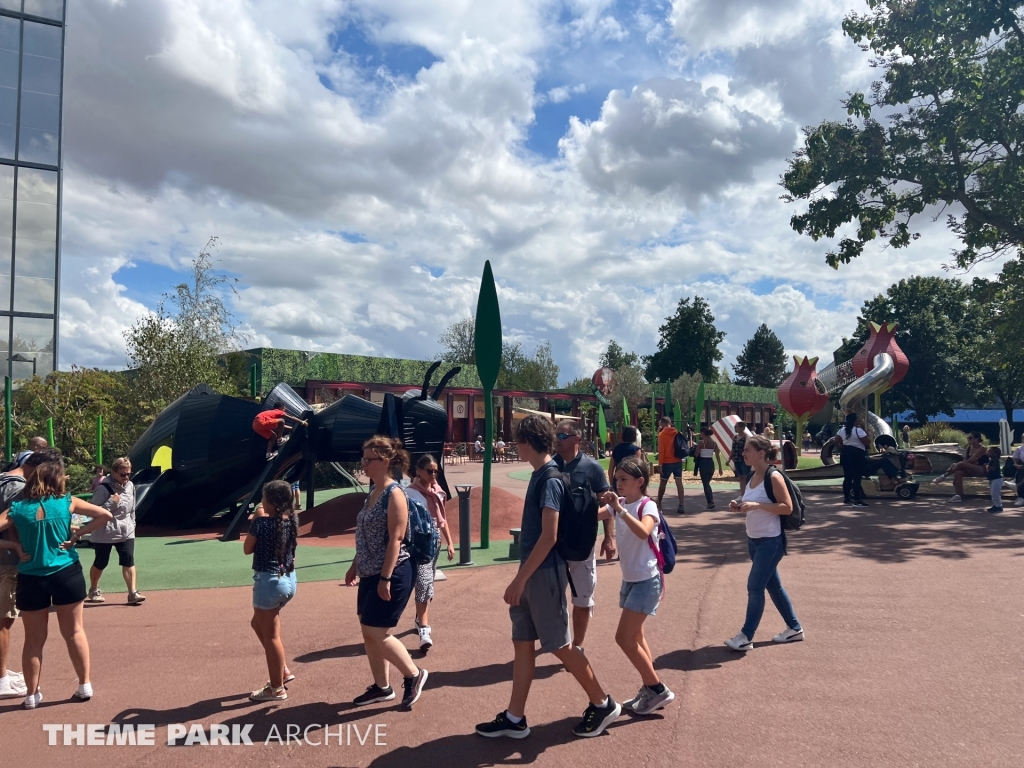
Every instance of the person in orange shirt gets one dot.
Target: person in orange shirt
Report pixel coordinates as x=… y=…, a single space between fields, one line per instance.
x=671 y=465
x=271 y=425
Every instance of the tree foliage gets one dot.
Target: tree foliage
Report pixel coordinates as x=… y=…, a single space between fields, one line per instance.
x=952 y=135
x=688 y=343
x=629 y=382
x=527 y=372
x=939 y=331
x=170 y=351
x=762 y=363
x=1000 y=349
x=684 y=390
x=615 y=357
x=458 y=342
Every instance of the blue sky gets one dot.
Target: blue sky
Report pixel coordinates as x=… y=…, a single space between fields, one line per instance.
x=360 y=161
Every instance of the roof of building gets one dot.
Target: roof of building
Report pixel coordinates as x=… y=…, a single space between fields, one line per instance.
x=968 y=416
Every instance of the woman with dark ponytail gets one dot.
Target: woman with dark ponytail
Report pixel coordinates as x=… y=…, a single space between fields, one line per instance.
x=854 y=453
x=271 y=541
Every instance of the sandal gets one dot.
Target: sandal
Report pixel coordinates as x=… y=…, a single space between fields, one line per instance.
x=267 y=693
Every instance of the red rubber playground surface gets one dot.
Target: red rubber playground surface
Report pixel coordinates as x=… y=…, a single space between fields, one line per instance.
x=913 y=657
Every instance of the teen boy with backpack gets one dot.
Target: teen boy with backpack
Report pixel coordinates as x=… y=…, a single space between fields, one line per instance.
x=587 y=480
x=536 y=596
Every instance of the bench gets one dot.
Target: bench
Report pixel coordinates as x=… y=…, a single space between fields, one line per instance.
x=513 y=548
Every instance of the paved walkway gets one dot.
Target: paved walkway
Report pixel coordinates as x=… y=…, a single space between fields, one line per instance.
x=913 y=657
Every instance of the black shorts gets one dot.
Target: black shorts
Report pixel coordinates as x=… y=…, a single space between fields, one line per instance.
x=125 y=554
x=374 y=612
x=65 y=587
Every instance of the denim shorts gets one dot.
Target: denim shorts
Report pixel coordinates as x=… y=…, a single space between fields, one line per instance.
x=270 y=591
x=675 y=469
x=641 y=596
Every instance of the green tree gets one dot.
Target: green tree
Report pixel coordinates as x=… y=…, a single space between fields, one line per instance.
x=688 y=344
x=458 y=342
x=762 y=363
x=952 y=96
x=1000 y=350
x=579 y=386
x=629 y=382
x=615 y=357
x=170 y=351
x=939 y=331
x=519 y=370
x=684 y=391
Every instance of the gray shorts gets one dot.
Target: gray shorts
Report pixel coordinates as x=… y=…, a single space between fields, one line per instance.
x=584 y=579
x=542 y=613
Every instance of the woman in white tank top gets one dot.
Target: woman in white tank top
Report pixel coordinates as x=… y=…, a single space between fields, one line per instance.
x=708 y=451
x=766 y=544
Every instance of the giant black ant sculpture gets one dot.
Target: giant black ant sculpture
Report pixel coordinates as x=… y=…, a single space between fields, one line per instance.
x=201 y=456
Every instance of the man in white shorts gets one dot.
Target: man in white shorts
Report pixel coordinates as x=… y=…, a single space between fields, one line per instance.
x=582 y=470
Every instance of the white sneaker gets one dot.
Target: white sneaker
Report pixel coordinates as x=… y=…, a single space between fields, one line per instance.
x=789 y=636
x=31 y=702
x=740 y=643
x=954 y=500
x=95 y=596
x=20 y=677
x=12 y=688
x=939 y=479
x=1019 y=503
x=425 y=641
x=83 y=692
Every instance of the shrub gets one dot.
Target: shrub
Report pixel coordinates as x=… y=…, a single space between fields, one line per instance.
x=940 y=432
x=79 y=478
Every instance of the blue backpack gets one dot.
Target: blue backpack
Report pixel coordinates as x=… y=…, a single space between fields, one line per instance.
x=666 y=550
x=423 y=539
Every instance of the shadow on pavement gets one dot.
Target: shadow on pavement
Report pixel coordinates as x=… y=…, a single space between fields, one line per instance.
x=488 y=674
x=470 y=751
x=338 y=652
x=888 y=531
x=686 y=660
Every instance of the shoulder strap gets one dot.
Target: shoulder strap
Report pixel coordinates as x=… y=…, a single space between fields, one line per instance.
x=769 y=489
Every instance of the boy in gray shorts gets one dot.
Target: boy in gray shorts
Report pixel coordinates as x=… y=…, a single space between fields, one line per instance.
x=536 y=596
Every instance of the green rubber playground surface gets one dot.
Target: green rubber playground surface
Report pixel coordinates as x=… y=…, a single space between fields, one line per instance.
x=174 y=563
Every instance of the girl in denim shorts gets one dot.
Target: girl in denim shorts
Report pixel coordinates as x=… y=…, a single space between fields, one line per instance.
x=271 y=542
x=636 y=531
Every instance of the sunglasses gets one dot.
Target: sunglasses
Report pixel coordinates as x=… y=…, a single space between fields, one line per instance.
x=364 y=461
x=429 y=471
x=565 y=435
x=125 y=475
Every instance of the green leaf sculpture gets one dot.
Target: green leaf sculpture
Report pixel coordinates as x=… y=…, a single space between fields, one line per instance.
x=487 y=343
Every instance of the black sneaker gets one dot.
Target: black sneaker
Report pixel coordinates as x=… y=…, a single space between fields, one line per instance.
x=373 y=694
x=502 y=726
x=994 y=510
x=413 y=689
x=596 y=719
x=860 y=503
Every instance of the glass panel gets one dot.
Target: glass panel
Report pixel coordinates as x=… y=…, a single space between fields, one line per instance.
x=37 y=206
x=33 y=338
x=36 y=186
x=10 y=31
x=35 y=258
x=6 y=200
x=48 y=9
x=11 y=5
x=40 y=93
x=5 y=335
x=33 y=294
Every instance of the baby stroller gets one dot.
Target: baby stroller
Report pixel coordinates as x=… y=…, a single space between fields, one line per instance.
x=891 y=465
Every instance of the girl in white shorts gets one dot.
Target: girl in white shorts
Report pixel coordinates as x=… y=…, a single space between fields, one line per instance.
x=636 y=526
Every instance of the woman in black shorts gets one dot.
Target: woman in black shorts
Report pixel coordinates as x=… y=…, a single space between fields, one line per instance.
x=385 y=572
x=116 y=493
x=50 y=574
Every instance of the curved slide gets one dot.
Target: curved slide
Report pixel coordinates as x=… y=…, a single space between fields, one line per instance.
x=876 y=379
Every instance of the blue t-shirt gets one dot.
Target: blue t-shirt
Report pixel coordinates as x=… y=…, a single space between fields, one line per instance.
x=42 y=538
x=533 y=516
x=584 y=469
x=623 y=451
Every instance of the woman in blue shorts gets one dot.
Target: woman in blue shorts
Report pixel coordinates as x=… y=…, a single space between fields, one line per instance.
x=271 y=542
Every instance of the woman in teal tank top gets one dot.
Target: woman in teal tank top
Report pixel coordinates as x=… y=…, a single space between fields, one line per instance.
x=50 y=574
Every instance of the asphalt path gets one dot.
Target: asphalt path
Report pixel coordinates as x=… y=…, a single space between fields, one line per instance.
x=913 y=657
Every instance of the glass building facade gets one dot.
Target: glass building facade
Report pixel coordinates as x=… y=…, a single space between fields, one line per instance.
x=31 y=89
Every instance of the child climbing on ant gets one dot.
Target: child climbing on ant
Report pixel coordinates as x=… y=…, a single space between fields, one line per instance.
x=271 y=425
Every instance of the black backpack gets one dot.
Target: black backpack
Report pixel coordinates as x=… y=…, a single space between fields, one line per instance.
x=679 y=446
x=791 y=522
x=577 y=516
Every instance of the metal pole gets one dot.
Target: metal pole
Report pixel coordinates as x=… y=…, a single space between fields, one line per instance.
x=99 y=440
x=465 y=531
x=8 y=421
x=49 y=431
x=253 y=385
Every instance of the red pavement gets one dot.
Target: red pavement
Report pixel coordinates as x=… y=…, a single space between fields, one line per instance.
x=913 y=657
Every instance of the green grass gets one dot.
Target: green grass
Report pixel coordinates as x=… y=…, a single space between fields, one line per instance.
x=173 y=563
x=809 y=462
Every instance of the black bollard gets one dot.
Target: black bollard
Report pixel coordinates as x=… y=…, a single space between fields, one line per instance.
x=465 y=531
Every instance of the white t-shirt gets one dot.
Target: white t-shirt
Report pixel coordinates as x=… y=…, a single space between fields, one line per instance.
x=637 y=559
x=854 y=438
x=761 y=524
x=1018 y=453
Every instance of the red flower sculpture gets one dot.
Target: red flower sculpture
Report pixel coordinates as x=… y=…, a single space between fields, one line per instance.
x=882 y=339
x=797 y=394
